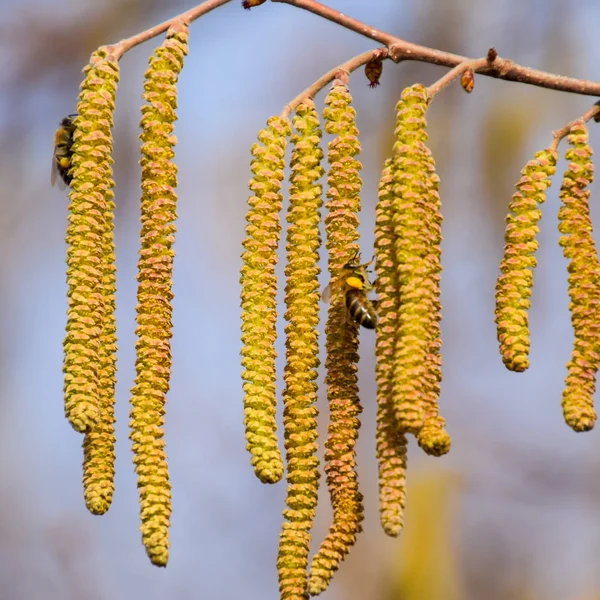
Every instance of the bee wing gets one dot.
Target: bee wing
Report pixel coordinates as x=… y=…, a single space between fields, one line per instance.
x=55 y=176
x=326 y=295
x=53 y=172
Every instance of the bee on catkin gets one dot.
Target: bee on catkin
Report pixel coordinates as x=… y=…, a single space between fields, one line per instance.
x=353 y=283
x=63 y=153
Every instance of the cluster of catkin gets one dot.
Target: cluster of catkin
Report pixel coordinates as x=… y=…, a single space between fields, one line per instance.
x=90 y=342
x=408 y=236
x=514 y=285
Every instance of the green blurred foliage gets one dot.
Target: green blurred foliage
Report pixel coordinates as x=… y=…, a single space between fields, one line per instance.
x=427 y=564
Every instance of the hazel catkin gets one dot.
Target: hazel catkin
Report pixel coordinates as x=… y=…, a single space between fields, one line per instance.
x=259 y=299
x=513 y=288
x=302 y=353
x=584 y=282
x=155 y=281
x=341 y=343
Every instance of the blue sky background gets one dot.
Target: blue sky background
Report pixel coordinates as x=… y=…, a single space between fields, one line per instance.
x=527 y=481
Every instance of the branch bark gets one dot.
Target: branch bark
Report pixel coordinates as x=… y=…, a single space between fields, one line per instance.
x=400 y=50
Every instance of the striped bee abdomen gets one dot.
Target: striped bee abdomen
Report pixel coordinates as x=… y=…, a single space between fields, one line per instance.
x=360 y=308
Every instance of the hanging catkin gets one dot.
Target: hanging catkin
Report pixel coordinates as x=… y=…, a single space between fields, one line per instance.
x=341 y=344
x=515 y=282
x=584 y=282
x=302 y=353
x=89 y=360
x=259 y=299
x=155 y=270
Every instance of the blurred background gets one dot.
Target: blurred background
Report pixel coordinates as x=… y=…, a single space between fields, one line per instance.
x=513 y=512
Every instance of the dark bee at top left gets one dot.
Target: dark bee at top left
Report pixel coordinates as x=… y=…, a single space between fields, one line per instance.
x=63 y=151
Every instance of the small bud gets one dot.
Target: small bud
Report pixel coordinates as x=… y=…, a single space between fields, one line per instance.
x=468 y=80
x=492 y=55
x=373 y=70
x=248 y=4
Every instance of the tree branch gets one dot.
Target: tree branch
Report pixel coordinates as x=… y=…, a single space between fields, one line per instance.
x=400 y=50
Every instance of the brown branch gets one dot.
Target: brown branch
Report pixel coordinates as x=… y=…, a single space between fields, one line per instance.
x=344 y=69
x=560 y=134
x=117 y=50
x=397 y=49
x=400 y=50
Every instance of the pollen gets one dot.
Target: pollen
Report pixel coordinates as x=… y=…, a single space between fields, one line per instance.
x=355 y=282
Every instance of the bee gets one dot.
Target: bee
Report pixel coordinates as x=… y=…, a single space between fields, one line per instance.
x=63 y=152
x=354 y=283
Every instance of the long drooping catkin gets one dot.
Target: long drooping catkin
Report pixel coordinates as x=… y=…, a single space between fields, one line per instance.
x=89 y=261
x=99 y=443
x=584 y=282
x=391 y=442
x=515 y=282
x=416 y=222
x=259 y=299
x=155 y=273
x=341 y=345
x=302 y=353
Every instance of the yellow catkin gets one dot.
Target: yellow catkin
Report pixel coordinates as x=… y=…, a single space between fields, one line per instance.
x=90 y=216
x=155 y=267
x=391 y=442
x=433 y=437
x=302 y=353
x=99 y=444
x=417 y=235
x=584 y=282
x=259 y=299
x=513 y=288
x=341 y=332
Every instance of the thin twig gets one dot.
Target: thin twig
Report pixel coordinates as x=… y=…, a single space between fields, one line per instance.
x=117 y=50
x=455 y=73
x=560 y=134
x=400 y=50
x=347 y=67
